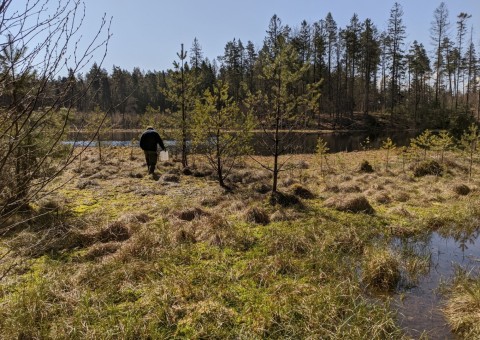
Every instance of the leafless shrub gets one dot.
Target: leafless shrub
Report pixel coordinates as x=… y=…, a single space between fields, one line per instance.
x=40 y=40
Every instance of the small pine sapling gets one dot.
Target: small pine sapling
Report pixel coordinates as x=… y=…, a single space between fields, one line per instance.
x=321 y=152
x=423 y=142
x=222 y=131
x=442 y=143
x=388 y=145
x=468 y=143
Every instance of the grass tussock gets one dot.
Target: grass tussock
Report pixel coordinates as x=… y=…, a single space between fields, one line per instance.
x=461 y=189
x=114 y=232
x=302 y=192
x=365 y=167
x=257 y=215
x=428 y=167
x=350 y=203
x=284 y=199
x=190 y=214
x=381 y=269
x=463 y=305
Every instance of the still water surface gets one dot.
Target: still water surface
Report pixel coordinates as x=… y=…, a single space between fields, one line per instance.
x=419 y=307
x=301 y=142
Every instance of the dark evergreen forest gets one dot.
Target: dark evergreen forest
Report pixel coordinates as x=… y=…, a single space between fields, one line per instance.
x=358 y=70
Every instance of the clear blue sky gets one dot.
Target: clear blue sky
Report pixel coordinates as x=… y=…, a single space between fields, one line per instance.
x=148 y=33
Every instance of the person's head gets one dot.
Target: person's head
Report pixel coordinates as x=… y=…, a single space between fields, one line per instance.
x=150 y=127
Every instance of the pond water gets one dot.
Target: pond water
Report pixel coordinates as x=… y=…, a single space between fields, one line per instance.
x=418 y=306
x=300 y=142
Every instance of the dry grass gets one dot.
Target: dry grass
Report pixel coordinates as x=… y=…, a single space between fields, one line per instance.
x=381 y=269
x=131 y=256
x=462 y=309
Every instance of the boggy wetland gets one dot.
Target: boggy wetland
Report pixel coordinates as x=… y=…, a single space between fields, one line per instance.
x=322 y=179
x=355 y=246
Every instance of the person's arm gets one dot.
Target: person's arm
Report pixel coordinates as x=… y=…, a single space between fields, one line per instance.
x=160 y=142
x=142 y=141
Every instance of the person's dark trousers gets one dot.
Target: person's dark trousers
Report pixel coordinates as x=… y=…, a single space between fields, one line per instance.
x=151 y=159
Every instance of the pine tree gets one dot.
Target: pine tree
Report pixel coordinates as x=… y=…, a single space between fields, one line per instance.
x=419 y=66
x=471 y=64
x=251 y=56
x=221 y=130
x=459 y=66
x=181 y=92
x=232 y=67
x=351 y=35
x=370 y=58
x=396 y=36
x=439 y=31
x=331 y=34
x=196 y=55
x=281 y=105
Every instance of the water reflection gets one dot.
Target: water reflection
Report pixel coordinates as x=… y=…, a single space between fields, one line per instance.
x=301 y=142
x=418 y=302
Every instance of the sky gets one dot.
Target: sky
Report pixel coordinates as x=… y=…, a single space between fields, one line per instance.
x=148 y=33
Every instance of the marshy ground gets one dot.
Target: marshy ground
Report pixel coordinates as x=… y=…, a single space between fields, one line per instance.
x=115 y=253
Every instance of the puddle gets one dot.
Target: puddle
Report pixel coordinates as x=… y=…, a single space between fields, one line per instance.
x=418 y=304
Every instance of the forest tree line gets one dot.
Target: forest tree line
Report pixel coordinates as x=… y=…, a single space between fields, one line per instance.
x=361 y=68
x=358 y=68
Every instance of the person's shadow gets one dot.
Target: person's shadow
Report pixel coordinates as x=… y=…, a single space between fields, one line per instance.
x=155 y=177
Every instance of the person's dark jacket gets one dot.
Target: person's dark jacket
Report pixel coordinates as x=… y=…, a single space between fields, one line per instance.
x=150 y=139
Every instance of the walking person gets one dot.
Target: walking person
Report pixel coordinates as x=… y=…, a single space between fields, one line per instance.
x=148 y=142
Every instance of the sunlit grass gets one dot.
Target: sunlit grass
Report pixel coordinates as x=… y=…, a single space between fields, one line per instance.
x=137 y=257
x=462 y=309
